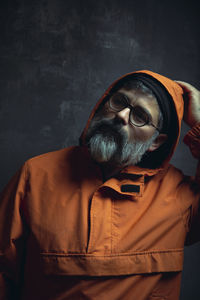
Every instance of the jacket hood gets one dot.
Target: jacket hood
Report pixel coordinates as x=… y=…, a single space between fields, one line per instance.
x=160 y=157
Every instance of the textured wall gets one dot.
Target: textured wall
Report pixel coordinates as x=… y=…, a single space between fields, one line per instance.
x=57 y=57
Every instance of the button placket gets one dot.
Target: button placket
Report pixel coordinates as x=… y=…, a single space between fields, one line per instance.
x=99 y=239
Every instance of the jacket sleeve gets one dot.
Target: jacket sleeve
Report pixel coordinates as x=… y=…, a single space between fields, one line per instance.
x=192 y=139
x=12 y=236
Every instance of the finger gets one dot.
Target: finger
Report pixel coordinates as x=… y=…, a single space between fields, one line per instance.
x=187 y=86
x=187 y=92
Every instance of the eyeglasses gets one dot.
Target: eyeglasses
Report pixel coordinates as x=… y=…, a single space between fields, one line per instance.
x=138 y=116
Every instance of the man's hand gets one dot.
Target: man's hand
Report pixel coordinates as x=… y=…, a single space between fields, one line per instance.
x=191 y=103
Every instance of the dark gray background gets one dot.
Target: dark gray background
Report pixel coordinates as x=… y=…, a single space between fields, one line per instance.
x=57 y=57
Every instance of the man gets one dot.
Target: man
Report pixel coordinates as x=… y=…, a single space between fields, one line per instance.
x=108 y=219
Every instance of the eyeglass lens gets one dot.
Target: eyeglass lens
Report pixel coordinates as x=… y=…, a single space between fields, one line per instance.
x=138 y=115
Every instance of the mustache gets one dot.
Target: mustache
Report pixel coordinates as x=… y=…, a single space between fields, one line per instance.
x=107 y=127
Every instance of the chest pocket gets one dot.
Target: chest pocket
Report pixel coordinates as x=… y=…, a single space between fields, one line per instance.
x=113 y=265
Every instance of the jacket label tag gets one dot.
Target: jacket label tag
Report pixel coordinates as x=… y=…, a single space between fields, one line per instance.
x=132 y=188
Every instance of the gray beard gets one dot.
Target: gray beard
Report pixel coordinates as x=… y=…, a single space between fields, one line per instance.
x=108 y=144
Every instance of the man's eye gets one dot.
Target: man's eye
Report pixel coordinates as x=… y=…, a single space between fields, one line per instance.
x=139 y=116
x=118 y=101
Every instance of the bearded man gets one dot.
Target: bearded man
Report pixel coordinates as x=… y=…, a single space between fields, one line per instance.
x=107 y=219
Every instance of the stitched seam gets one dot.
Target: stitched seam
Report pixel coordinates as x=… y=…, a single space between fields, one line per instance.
x=113 y=255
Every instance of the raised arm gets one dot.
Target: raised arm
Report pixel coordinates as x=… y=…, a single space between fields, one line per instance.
x=192 y=139
x=192 y=119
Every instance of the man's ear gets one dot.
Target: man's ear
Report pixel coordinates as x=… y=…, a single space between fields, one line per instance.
x=158 y=142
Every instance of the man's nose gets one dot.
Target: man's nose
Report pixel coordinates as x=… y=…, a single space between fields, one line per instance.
x=124 y=115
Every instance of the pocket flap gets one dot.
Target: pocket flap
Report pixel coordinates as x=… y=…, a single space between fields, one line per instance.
x=112 y=265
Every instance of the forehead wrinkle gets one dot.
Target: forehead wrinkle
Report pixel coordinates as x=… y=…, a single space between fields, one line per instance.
x=136 y=94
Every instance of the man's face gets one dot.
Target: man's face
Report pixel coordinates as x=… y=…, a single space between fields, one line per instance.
x=113 y=138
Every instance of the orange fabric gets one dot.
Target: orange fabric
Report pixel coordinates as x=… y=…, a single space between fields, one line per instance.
x=66 y=234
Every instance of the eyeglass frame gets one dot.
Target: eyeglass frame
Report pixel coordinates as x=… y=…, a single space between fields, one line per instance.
x=131 y=107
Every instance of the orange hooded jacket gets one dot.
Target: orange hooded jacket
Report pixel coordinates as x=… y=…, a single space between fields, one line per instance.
x=65 y=234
